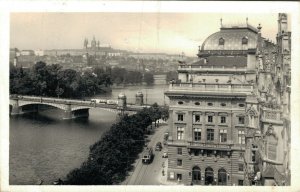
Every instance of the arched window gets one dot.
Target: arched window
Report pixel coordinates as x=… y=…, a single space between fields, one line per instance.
x=209 y=176
x=221 y=41
x=196 y=175
x=245 y=40
x=222 y=177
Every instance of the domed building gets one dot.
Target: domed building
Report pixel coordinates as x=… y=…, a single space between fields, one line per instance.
x=216 y=110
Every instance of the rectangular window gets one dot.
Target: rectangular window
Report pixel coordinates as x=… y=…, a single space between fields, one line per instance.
x=253 y=156
x=222 y=154
x=179 y=151
x=180 y=133
x=210 y=119
x=180 y=117
x=197 y=134
x=210 y=134
x=241 y=167
x=196 y=118
x=196 y=152
x=241 y=120
x=241 y=137
x=209 y=153
x=240 y=182
x=179 y=177
x=241 y=156
x=223 y=135
x=223 y=119
x=179 y=162
x=172 y=175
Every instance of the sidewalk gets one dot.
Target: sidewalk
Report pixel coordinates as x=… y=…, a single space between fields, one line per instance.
x=163 y=179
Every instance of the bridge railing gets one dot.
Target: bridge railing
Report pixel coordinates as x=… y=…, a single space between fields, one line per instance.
x=87 y=103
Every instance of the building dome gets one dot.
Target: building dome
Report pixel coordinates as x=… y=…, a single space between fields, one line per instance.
x=242 y=37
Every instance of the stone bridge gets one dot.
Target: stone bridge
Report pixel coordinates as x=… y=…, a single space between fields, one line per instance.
x=72 y=108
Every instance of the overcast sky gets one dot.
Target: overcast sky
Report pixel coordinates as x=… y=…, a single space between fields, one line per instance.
x=143 y=32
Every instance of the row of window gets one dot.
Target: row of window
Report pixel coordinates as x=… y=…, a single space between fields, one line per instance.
x=240 y=165
x=208 y=153
x=196 y=177
x=211 y=104
x=210 y=119
x=244 y=41
x=210 y=135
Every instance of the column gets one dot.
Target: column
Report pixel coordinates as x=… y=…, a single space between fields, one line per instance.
x=15 y=110
x=68 y=114
x=189 y=126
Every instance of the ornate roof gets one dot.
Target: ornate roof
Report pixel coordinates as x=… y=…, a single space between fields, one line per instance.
x=227 y=62
x=231 y=38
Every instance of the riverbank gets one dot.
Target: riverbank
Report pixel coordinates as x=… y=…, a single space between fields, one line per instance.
x=111 y=157
x=58 y=146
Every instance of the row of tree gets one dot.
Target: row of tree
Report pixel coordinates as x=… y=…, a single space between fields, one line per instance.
x=123 y=76
x=112 y=157
x=52 y=80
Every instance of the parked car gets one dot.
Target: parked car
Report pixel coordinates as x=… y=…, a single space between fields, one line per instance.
x=165 y=142
x=165 y=154
x=158 y=146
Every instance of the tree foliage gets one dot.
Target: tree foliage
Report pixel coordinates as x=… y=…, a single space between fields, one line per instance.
x=52 y=80
x=123 y=76
x=112 y=156
x=148 y=78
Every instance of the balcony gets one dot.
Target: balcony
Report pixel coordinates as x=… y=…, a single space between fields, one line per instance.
x=271 y=115
x=221 y=88
x=211 y=146
x=191 y=68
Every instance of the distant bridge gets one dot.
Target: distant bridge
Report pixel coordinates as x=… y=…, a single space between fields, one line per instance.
x=72 y=108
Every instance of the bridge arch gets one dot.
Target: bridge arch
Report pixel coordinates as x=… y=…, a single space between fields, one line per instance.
x=56 y=105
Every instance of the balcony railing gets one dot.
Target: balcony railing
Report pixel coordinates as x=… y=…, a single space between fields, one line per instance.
x=210 y=68
x=271 y=114
x=201 y=145
x=212 y=87
x=209 y=145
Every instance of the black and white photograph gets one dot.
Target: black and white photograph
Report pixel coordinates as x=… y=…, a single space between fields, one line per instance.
x=150 y=96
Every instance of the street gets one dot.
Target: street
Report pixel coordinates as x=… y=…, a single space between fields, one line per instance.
x=150 y=174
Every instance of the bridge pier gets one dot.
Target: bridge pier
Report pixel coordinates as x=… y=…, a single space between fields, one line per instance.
x=17 y=110
x=69 y=114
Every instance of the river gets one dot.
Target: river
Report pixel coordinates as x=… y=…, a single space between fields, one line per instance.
x=44 y=147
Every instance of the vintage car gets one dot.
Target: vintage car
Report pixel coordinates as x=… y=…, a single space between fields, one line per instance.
x=158 y=146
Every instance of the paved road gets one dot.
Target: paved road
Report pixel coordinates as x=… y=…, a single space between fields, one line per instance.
x=145 y=174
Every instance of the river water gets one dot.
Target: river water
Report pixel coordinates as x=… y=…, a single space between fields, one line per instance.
x=44 y=147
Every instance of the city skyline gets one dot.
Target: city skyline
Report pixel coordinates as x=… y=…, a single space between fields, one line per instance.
x=171 y=33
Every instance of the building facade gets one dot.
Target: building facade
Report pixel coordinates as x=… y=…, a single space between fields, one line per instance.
x=215 y=104
x=267 y=156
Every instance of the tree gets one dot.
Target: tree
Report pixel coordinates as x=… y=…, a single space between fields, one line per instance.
x=110 y=157
x=67 y=79
x=172 y=75
x=103 y=77
x=59 y=91
x=148 y=78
